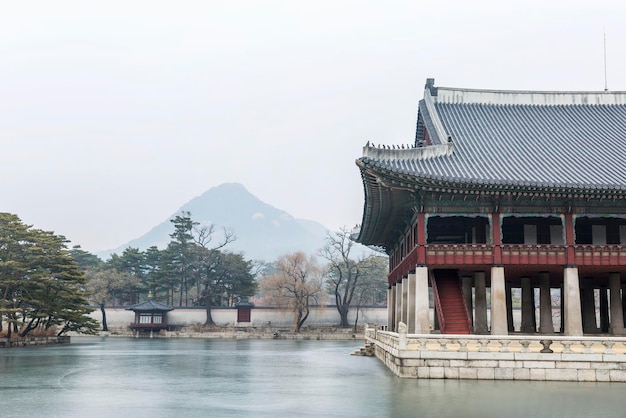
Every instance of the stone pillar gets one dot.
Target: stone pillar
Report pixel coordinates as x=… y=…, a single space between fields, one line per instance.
x=562 y=314
x=624 y=303
x=588 y=302
x=546 y=326
x=467 y=285
x=498 y=302
x=480 y=310
x=398 y=300
x=533 y=311
x=509 y=307
x=604 y=310
x=528 y=326
x=617 y=314
x=391 y=308
x=571 y=303
x=422 y=310
x=405 y=299
x=411 y=303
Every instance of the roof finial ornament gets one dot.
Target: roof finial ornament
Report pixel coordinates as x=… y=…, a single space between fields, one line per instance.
x=368 y=144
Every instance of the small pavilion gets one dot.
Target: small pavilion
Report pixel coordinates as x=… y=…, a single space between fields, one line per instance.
x=149 y=315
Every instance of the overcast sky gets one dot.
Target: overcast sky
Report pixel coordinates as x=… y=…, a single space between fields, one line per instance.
x=115 y=114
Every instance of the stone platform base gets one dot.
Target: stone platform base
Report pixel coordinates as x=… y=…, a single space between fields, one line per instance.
x=581 y=371
x=582 y=359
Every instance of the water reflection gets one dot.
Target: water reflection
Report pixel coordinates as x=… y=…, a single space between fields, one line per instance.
x=98 y=377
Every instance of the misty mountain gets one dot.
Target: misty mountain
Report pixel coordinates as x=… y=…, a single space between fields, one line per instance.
x=262 y=231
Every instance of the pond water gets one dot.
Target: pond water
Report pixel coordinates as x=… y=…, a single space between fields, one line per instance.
x=120 y=377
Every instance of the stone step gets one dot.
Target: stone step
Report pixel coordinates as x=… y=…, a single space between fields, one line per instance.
x=366 y=351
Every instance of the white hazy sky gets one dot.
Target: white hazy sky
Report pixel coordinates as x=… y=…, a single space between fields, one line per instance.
x=114 y=114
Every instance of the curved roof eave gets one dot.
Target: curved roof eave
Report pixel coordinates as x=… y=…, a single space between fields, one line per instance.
x=394 y=168
x=382 y=211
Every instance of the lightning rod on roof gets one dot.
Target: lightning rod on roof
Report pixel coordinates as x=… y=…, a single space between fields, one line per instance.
x=606 y=86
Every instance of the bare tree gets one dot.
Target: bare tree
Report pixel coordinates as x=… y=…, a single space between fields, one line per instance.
x=208 y=259
x=296 y=283
x=372 y=286
x=343 y=273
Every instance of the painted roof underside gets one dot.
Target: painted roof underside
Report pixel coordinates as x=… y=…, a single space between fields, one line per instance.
x=546 y=145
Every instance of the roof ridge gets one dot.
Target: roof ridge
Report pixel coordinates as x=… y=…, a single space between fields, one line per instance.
x=421 y=153
x=463 y=89
x=521 y=97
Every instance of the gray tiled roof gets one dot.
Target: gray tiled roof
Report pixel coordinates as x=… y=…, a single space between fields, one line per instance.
x=565 y=140
x=149 y=306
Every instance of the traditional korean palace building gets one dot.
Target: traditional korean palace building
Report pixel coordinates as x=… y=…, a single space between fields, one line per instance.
x=503 y=190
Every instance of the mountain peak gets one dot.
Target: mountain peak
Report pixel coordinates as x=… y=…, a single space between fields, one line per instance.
x=231 y=190
x=263 y=232
x=228 y=187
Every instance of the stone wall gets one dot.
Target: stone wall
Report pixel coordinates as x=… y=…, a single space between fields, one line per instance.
x=33 y=341
x=337 y=334
x=260 y=317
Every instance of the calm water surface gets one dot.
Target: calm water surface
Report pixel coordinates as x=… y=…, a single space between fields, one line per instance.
x=115 y=377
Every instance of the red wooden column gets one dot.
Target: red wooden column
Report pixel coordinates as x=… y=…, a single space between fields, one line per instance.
x=497 y=239
x=569 y=239
x=421 y=239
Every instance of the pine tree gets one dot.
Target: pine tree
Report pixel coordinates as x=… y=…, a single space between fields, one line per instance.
x=41 y=285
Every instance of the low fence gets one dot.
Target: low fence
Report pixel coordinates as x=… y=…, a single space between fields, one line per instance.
x=595 y=359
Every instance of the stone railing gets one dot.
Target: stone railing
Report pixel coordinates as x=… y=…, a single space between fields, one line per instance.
x=544 y=344
x=512 y=357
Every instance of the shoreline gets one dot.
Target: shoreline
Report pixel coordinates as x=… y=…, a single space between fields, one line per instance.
x=325 y=333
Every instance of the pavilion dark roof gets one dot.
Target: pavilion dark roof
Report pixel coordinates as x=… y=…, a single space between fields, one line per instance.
x=544 y=139
x=150 y=306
